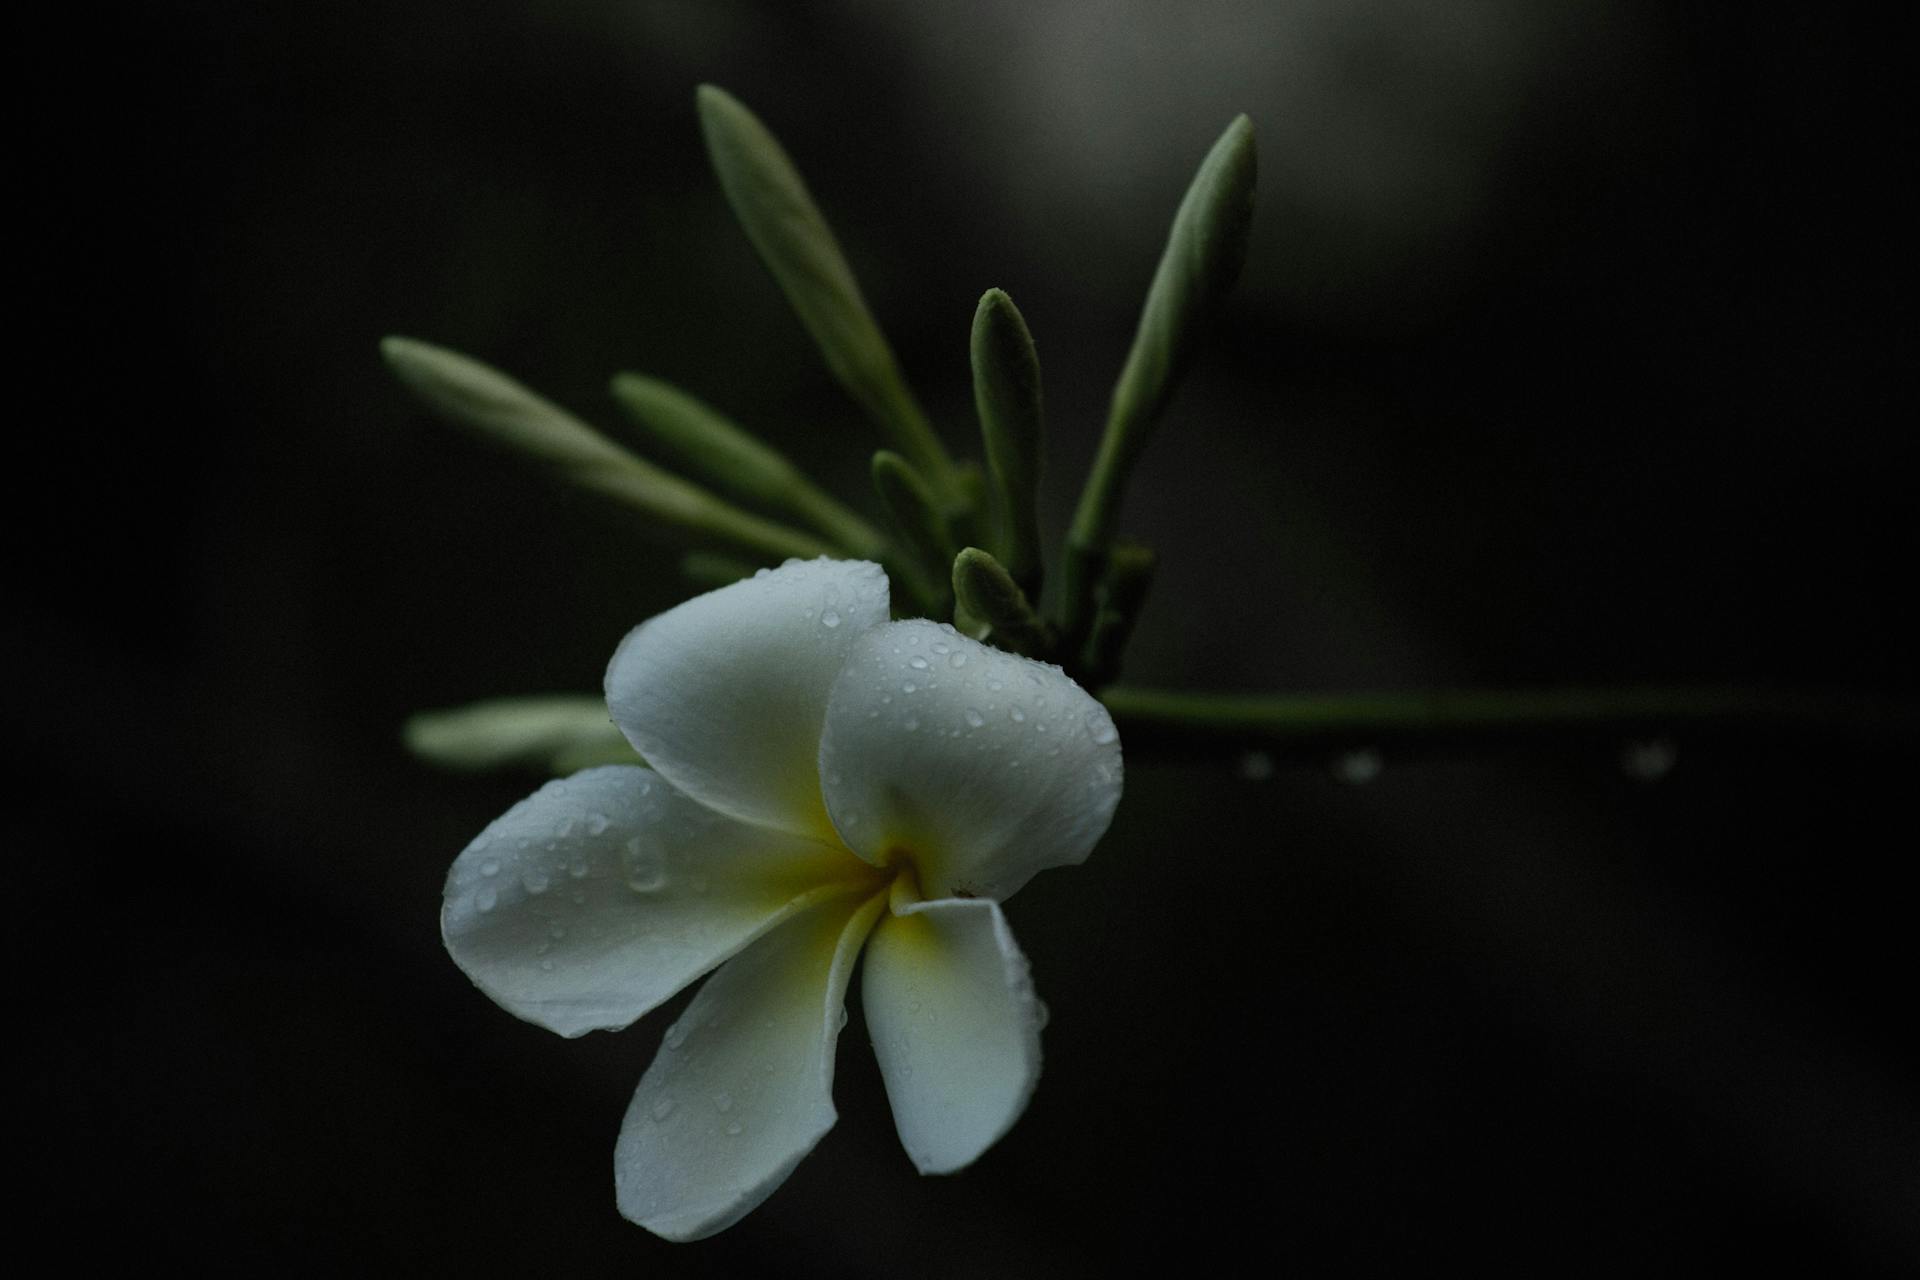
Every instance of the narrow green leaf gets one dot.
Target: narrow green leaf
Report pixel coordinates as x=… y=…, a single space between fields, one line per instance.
x=473 y=395
x=986 y=590
x=713 y=446
x=709 y=571
x=551 y=735
x=1204 y=253
x=793 y=239
x=921 y=529
x=1007 y=396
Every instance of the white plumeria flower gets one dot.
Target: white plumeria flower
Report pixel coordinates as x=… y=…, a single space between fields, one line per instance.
x=821 y=779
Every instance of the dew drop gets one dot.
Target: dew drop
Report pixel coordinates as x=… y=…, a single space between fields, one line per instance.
x=1101 y=728
x=1356 y=768
x=1645 y=761
x=662 y=1109
x=1041 y=1015
x=676 y=1035
x=1256 y=766
x=917 y=662
x=536 y=880
x=647 y=873
x=491 y=867
x=486 y=899
x=829 y=618
x=974 y=718
x=733 y=1130
x=597 y=824
x=909 y=687
x=1019 y=716
x=910 y=724
x=958 y=659
x=547 y=965
x=566 y=829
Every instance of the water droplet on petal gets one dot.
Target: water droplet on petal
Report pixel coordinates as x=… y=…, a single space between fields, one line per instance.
x=597 y=824
x=909 y=687
x=535 y=879
x=491 y=867
x=917 y=662
x=486 y=899
x=1019 y=716
x=723 y=1101
x=974 y=718
x=910 y=724
x=959 y=659
x=662 y=1108
x=829 y=619
x=733 y=1130
x=1100 y=727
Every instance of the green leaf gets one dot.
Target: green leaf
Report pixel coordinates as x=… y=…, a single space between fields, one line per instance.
x=549 y=735
x=1204 y=253
x=922 y=529
x=710 y=572
x=793 y=239
x=471 y=394
x=714 y=447
x=1007 y=396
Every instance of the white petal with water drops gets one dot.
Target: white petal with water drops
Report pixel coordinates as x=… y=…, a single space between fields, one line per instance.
x=602 y=894
x=990 y=771
x=742 y=1088
x=955 y=1025
x=725 y=694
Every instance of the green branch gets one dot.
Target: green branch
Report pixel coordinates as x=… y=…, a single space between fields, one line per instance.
x=1314 y=724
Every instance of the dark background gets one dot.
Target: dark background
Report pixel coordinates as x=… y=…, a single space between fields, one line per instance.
x=1574 y=346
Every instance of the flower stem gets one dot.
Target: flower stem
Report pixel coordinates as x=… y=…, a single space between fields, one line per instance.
x=1311 y=725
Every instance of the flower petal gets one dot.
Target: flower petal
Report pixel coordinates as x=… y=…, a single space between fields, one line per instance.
x=743 y=1087
x=602 y=894
x=983 y=766
x=955 y=1025
x=725 y=694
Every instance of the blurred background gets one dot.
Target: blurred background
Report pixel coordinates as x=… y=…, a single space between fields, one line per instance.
x=1574 y=346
